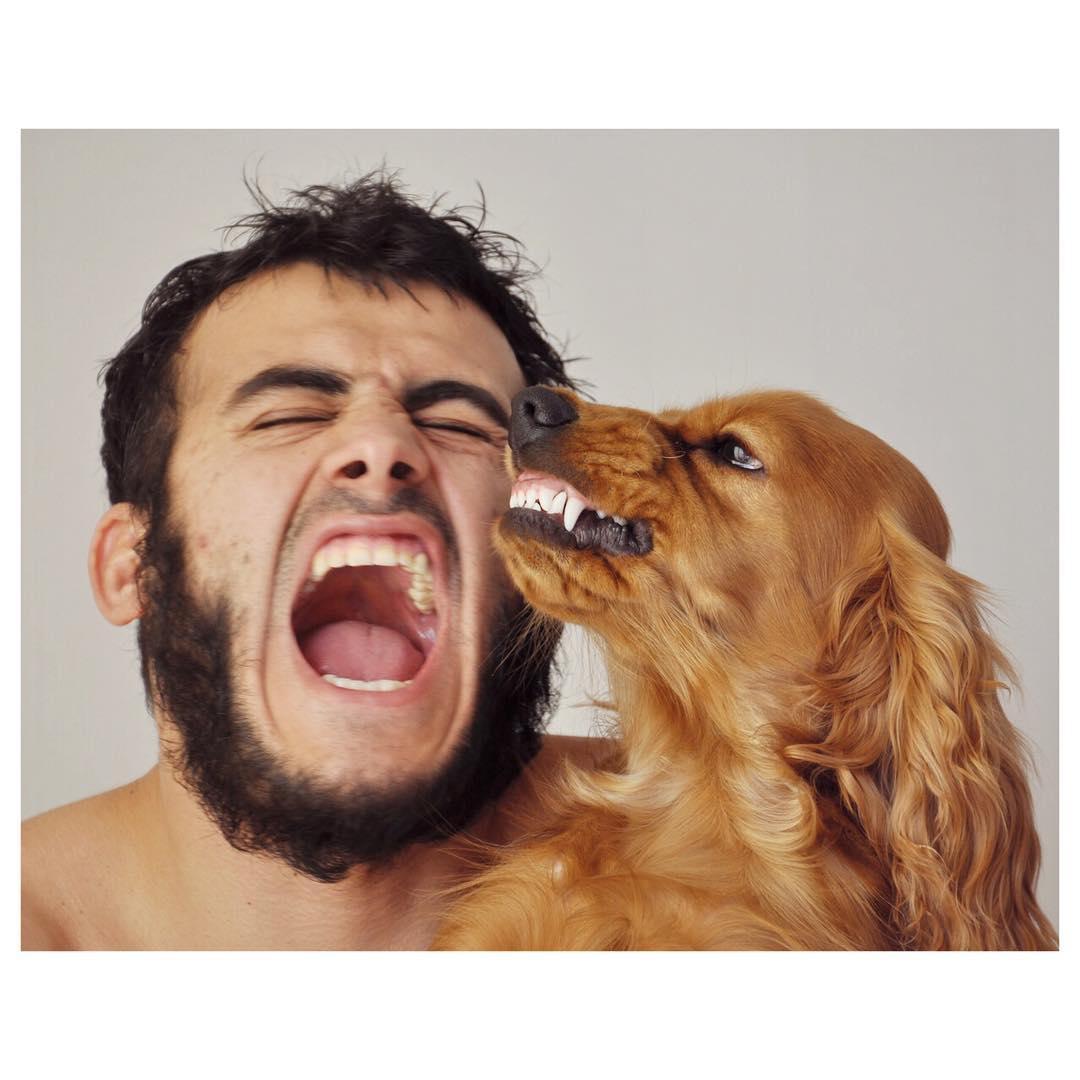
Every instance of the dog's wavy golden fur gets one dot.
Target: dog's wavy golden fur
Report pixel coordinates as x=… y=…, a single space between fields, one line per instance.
x=813 y=752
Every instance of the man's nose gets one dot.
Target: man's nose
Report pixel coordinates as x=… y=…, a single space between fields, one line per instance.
x=379 y=456
x=535 y=412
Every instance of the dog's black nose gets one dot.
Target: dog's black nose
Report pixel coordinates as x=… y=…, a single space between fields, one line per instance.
x=534 y=412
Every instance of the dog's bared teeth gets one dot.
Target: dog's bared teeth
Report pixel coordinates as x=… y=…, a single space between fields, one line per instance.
x=557 y=503
x=618 y=520
x=572 y=513
x=547 y=498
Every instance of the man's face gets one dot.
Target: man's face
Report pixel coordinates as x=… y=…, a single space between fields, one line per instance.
x=319 y=416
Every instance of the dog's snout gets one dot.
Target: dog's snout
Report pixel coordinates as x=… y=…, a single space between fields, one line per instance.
x=535 y=411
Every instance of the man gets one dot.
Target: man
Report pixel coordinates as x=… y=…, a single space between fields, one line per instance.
x=303 y=444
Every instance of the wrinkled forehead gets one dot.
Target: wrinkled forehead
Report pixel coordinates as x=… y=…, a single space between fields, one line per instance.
x=300 y=314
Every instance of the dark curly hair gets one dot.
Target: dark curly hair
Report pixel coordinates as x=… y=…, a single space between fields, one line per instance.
x=369 y=230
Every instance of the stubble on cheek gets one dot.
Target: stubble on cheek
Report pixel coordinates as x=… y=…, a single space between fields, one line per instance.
x=224 y=540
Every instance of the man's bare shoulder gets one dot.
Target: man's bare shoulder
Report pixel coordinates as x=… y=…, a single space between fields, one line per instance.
x=70 y=858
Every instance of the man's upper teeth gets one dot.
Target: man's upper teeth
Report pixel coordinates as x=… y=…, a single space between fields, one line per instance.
x=555 y=497
x=377 y=551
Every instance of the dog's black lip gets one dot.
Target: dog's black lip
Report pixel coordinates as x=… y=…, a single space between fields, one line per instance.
x=596 y=534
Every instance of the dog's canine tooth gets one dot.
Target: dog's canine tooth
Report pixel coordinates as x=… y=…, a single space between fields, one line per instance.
x=572 y=513
x=557 y=503
x=600 y=513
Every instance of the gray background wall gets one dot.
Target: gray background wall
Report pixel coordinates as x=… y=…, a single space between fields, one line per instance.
x=908 y=278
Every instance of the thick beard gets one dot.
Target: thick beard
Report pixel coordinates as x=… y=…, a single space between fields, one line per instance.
x=188 y=651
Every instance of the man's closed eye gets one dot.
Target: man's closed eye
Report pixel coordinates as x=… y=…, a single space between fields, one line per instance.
x=292 y=418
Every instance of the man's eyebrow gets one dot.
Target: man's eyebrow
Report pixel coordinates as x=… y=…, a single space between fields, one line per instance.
x=429 y=393
x=284 y=376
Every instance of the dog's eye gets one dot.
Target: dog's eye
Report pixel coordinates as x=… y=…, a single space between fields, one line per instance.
x=733 y=452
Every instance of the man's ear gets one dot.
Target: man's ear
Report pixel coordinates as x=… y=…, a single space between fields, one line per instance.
x=114 y=564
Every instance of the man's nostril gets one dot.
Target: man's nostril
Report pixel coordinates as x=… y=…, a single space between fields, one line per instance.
x=401 y=470
x=354 y=469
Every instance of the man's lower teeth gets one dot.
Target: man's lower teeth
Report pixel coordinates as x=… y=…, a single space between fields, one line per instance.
x=360 y=684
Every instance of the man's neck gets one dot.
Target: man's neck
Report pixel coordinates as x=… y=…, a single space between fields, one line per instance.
x=143 y=867
x=199 y=892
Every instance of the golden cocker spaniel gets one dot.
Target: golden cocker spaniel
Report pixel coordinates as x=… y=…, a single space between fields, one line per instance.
x=813 y=753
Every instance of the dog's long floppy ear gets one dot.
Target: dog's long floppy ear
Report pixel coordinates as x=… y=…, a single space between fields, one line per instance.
x=905 y=699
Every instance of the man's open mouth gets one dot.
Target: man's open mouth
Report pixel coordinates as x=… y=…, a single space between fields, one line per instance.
x=554 y=511
x=365 y=619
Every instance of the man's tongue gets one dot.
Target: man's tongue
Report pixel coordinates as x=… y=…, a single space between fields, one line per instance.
x=361 y=650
